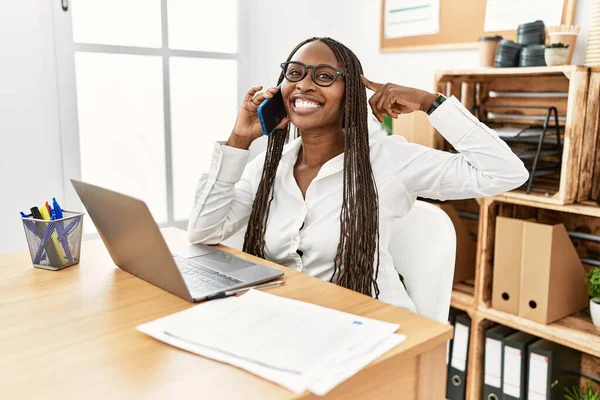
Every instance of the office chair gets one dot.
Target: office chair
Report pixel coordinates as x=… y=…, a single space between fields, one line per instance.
x=423 y=248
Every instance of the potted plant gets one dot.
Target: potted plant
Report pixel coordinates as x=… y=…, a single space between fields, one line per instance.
x=556 y=54
x=577 y=394
x=593 y=283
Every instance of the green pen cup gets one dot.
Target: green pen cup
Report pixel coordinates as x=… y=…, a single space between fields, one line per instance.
x=54 y=244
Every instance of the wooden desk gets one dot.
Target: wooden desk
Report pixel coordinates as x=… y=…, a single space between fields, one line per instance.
x=71 y=334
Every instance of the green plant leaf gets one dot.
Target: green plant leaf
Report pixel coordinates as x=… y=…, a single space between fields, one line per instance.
x=557 y=46
x=592 y=280
x=573 y=393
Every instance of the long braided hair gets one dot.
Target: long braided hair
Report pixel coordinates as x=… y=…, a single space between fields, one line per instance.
x=356 y=264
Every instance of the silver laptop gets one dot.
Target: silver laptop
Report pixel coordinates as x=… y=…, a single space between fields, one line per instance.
x=137 y=246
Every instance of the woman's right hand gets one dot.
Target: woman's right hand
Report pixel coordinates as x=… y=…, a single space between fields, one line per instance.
x=247 y=125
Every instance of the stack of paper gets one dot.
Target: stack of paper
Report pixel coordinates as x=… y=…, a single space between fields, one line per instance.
x=298 y=345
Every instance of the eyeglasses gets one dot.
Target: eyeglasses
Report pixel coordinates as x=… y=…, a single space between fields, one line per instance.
x=323 y=75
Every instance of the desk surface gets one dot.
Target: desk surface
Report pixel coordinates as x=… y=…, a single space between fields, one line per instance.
x=71 y=333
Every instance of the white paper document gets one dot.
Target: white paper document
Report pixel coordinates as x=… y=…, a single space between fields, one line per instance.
x=507 y=15
x=298 y=345
x=405 y=18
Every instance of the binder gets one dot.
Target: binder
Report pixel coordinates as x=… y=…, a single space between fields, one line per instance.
x=451 y=320
x=493 y=366
x=514 y=375
x=548 y=365
x=456 y=386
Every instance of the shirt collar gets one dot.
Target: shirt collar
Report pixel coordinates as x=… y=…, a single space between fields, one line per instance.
x=336 y=164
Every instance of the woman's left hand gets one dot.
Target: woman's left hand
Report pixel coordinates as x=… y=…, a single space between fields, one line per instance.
x=393 y=100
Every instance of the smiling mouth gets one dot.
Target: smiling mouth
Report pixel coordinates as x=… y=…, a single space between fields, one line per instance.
x=305 y=106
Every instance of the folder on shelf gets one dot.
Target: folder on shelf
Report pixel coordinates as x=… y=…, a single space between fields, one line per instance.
x=552 y=276
x=552 y=368
x=456 y=386
x=492 y=382
x=506 y=285
x=514 y=376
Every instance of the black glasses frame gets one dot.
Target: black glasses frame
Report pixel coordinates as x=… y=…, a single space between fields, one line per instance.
x=313 y=68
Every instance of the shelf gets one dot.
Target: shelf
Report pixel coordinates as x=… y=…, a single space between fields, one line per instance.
x=463 y=298
x=519 y=197
x=575 y=331
x=565 y=69
x=538 y=87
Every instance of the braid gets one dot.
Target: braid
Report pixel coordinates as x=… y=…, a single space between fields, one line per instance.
x=254 y=240
x=356 y=264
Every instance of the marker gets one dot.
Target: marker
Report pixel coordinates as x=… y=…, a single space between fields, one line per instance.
x=228 y=293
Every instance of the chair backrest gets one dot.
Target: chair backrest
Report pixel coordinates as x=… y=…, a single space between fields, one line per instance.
x=423 y=248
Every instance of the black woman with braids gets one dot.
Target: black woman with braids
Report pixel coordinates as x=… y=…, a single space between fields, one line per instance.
x=324 y=203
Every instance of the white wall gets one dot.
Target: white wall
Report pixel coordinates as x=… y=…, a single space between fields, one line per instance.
x=30 y=159
x=274 y=30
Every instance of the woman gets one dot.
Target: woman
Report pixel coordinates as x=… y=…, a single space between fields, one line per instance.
x=324 y=203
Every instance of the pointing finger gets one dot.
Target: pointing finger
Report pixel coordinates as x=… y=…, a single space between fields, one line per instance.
x=370 y=85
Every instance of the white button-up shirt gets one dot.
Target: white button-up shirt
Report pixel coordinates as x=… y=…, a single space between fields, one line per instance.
x=484 y=166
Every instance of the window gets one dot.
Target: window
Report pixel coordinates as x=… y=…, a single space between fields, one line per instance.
x=154 y=81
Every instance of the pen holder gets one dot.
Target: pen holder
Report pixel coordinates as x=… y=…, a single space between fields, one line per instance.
x=54 y=244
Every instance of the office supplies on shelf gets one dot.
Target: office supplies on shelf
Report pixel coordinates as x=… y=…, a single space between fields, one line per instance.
x=548 y=366
x=458 y=362
x=229 y=293
x=278 y=341
x=493 y=366
x=514 y=356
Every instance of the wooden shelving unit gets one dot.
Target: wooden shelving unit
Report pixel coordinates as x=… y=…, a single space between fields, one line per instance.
x=569 y=198
x=463 y=298
x=575 y=331
x=573 y=90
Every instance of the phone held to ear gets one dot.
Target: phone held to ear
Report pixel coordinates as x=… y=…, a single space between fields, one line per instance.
x=271 y=112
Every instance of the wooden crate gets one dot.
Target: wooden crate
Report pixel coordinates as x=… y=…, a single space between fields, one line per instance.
x=578 y=110
x=576 y=330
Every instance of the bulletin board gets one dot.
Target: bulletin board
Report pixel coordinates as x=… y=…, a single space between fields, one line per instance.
x=461 y=24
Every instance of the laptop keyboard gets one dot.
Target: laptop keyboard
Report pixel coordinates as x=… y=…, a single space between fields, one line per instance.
x=201 y=279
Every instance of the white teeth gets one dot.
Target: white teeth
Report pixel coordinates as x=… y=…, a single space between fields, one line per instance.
x=306 y=104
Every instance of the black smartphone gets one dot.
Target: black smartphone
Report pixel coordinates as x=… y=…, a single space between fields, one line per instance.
x=271 y=112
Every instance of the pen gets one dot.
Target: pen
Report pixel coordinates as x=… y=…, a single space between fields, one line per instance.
x=228 y=293
x=53 y=236
x=29 y=224
x=58 y=214
x=41 y=228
